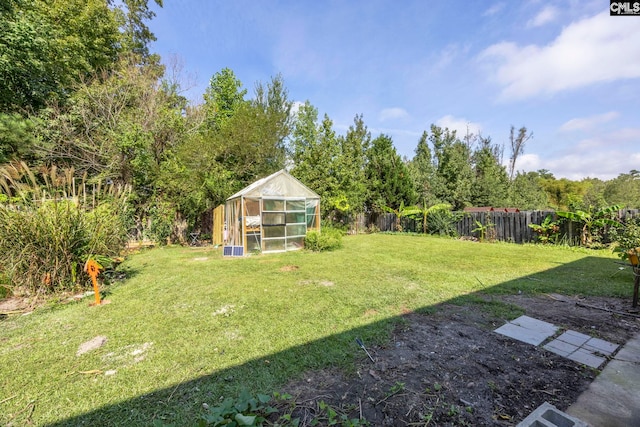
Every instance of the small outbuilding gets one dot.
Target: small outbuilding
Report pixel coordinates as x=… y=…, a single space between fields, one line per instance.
x=271 y=215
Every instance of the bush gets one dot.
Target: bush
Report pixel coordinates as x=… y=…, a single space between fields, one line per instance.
x=626 y=237
x=44 y=248
x=443 y=222
x=327 y=240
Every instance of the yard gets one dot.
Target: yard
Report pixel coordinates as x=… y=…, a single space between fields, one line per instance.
x=188 y=327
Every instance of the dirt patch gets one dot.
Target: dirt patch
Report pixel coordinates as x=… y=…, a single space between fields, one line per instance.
x=289 y=268
x=13 y=305
x=448 y=368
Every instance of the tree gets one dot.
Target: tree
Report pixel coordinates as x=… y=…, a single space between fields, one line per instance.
x=136 y=33
x=16 y=137
x=390 y=185
x=454 y=172
x=491 y=181
x=517 y=147
x=563 y=193
x=46 y=48
x=526 y=193
x=240 y=142
x=115 y=126
x=624 y=190
x=352 y=174
x=222 y=98
x=422 y=171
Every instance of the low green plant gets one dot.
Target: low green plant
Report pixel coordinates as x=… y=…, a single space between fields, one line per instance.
x=244 y=410
x=626 y=237
x=264 y=410
x=485 y=230
x=592 y=221
x=396 y=388
x=443 y=222
x=328 y=239
x=331 y=417
x=547 y=231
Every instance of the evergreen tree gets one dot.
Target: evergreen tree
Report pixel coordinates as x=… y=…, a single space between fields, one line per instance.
x=352 y=183
x=491 y=181
x=390 y=184
x=455 y=176
x=422 y=171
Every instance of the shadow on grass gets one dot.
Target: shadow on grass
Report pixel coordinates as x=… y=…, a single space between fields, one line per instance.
x=182 y=403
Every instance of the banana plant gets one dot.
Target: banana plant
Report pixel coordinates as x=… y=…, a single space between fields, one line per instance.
x=423 y=212
x=590 y=220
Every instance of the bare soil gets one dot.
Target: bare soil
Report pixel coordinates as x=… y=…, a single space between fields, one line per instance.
x=449 y=368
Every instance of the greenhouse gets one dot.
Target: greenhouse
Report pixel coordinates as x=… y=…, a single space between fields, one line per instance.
x=270 y=215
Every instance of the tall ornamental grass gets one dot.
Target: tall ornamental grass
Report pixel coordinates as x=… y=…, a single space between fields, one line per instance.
x=45 y=240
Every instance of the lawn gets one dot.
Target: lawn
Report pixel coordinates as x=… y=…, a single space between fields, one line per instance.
x=189 y=326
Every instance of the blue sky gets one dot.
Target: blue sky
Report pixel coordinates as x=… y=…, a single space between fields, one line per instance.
x=566 y=70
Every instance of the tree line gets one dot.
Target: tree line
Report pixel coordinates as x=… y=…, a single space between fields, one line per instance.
x=83 y=92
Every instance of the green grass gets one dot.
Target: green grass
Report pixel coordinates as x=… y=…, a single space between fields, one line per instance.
x=188 y=326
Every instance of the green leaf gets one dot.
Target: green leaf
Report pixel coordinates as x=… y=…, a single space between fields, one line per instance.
x=245 y=420
x=264 y=398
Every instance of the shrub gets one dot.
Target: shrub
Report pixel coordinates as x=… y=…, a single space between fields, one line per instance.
x=443 y=222
x=626 y=237
x=162 y=218
x=44 y=248
x=51 y=225
x=327 y=240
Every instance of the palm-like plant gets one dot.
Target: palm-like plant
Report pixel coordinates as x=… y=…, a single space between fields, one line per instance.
x=591 y=220
x=424 y=212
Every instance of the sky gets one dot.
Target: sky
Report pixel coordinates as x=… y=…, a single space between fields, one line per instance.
x=566 y=70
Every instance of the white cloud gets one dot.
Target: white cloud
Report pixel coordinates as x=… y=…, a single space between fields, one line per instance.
x=588 y=123
x=527 y=162
x=546 y=15
x=592 y=50
x=496 y=8
x=603 y=157
x=460 y=125
x=604 y=165
x=394 y=113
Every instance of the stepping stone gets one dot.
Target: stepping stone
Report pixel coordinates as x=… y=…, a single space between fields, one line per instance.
x=581 y=348
x=527 y=329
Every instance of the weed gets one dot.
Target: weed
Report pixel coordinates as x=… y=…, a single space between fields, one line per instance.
x=396 y=388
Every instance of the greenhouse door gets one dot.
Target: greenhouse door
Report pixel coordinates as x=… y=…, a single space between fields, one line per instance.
x=284 y=224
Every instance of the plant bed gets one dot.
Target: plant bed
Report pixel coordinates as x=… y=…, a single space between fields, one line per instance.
x=449 y=368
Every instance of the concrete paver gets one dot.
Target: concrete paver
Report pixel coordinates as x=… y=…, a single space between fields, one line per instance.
x=573 y=337
x=527 y=329
x=560 y=348
x=581 y=348
x=613 y=398
x=586 y=358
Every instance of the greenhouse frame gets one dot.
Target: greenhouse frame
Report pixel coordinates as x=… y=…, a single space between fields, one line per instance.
x=271 y=215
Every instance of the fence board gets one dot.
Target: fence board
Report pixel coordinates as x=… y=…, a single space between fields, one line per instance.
x=508 y=226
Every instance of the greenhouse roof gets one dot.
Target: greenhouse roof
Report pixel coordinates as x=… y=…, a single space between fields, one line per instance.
x=279 y=184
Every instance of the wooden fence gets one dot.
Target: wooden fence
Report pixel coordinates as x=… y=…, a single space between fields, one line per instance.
x=507 y=226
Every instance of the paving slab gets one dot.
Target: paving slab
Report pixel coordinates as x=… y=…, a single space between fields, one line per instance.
x=573 y=337
x=586 y=357
x=560 y=348
x=581 y=348
x=600 y=346
x=527 y=329
x=613 y=398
